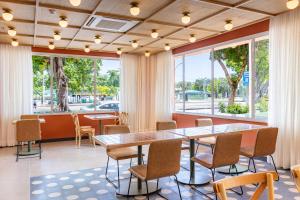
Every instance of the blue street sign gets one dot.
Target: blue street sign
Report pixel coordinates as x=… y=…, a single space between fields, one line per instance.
x=246 y=78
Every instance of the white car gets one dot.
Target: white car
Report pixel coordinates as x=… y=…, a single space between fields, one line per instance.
x=113 y=105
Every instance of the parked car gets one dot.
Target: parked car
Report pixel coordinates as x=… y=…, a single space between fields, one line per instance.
x=104 y=106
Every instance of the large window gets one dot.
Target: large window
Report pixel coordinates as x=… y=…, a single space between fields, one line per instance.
x=227 y=80
x=72 y=84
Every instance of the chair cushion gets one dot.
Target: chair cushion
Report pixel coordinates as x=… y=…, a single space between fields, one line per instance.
x=207 y=140
x=247 y=151
x=87 y=130
x=85 y=127
x=204 y=159
x=139 y=171
x=122 y=153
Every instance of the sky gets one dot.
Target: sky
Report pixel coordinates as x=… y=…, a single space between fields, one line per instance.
x=197 y=66
x=109 y=65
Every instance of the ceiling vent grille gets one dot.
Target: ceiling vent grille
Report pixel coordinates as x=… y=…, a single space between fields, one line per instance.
x=104 y=23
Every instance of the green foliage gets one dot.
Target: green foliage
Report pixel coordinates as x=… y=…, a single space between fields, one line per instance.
x=40 y=75
x=262 y=104
x=222 y=107
x=187 y=86
x=237 y=109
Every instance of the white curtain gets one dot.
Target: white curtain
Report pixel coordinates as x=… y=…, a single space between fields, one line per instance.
x=284 y=92
x=15 y=89
x=146 y=86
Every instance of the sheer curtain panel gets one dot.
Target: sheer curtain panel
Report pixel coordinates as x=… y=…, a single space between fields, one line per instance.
x=15 y=89
x=284 y=91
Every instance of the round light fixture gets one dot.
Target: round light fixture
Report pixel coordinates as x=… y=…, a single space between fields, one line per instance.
x=87 y=49
x=186 y=18
x=97 y=39
x=228 y=25
x=7 y=15
x=154 y=33
x=192 y=38
x=51 y=45
x=12 y=31
x=63 y=21
x=14 y=42
x=167 y=47
x=134 y=10
x=134 y=44
x=147 y=53
x=56 y=35
x=292 y=4
x=75 y=2
x=119 y=51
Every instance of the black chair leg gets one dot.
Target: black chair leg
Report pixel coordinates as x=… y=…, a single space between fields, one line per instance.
x=157 y=184
x=178 y=187
x=213 y=174
x=254 y=165
x=197 y=148
x=18 y=146
x=274 y=166
x=249 y=163
x=212 y=148
x=40 y=147
x=106 y=167
x=130 y=162
x=147 y=190
x=237 y=173
x=129 y=184
x=118 y=174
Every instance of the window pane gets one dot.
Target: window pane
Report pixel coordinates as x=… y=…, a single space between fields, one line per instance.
x=261 y=78
x=108 y=85
x=41 y=84
x=179 y=84
x=198 y=83
x=231 y=80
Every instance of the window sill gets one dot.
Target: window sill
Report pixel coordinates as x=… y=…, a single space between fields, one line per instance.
x=224 y=117
x=69 y=113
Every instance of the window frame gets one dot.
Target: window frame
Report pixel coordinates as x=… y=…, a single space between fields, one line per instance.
x=252 y=69
x=94 y=58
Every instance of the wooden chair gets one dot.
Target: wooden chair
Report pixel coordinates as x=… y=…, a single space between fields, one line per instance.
x=295 y=170
x=163 y=161
x=119 y=153
x=264 y=179
x=122 y=119
x=226 y=153
x=211 y=141
x=82 y=130
x=168 y=125
x=265 y=145
x=29 y=116
x=28 y=130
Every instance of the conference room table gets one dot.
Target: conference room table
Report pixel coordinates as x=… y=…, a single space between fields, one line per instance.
x=145 y=138
x=194 y=133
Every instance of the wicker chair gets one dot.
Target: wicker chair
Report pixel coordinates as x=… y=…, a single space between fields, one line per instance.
x=296 y=174
x=211 y=141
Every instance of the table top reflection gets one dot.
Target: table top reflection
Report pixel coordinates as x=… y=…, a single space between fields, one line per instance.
x=134 y=139
x=207 y=131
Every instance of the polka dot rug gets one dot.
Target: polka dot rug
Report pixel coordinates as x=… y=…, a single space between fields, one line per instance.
x=90 y=184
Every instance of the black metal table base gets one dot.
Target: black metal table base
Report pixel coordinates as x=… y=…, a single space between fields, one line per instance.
x=134 y=191
x=199 y=179
x=240 y=169
x=29 y=153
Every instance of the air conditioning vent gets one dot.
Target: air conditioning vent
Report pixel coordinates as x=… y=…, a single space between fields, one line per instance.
x=104 y=23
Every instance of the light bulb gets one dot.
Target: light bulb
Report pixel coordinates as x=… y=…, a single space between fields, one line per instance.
x=154 y=34
x=134 y=10
x=56 y=35
x=228 y=26
x=87 y=48
x=147 y=53
x=11 y=31
x=292 y=4
x=192 y=38
x=51 y=45
x=63 y=22
x=97 y=39
x=167 y=47
x=134 y=44
x=119 y=51
x=7 y=15
x=75 y=2
x=14 y=42
x=186 y=18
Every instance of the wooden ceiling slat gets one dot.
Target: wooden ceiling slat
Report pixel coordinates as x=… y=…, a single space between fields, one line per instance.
x=35 y=20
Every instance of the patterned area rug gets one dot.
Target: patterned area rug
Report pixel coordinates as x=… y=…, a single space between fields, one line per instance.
x=90 y=184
